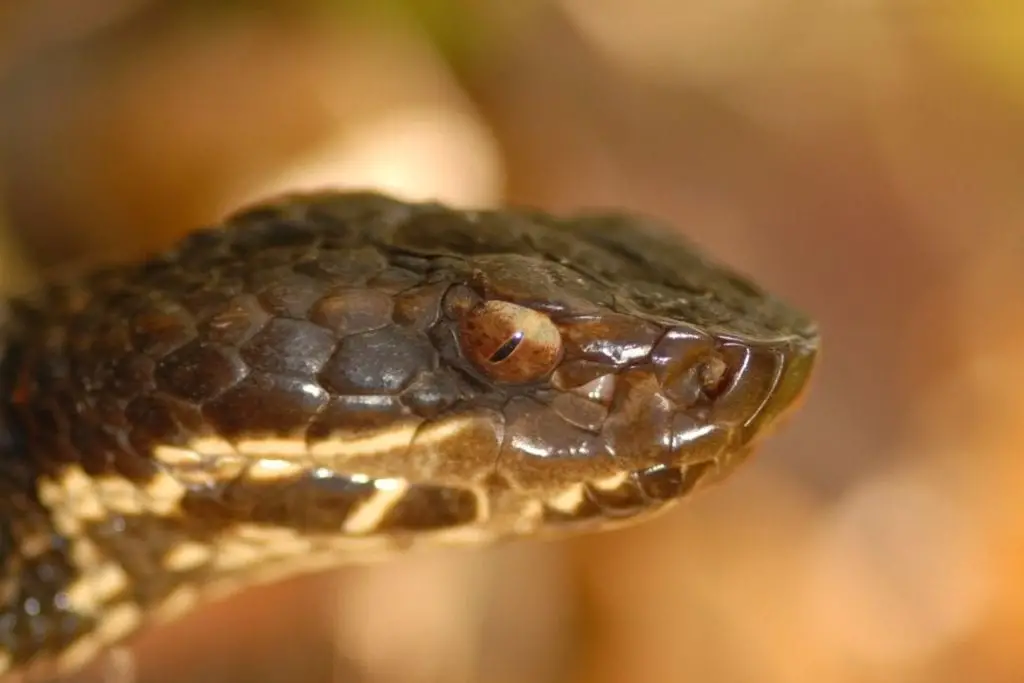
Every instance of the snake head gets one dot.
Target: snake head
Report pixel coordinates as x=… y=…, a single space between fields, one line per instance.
x=329 y=376
x=613 y=401
x=533 y=374
x=346 y=365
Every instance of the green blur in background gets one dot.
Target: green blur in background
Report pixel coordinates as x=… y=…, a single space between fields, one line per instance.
x=861 y=158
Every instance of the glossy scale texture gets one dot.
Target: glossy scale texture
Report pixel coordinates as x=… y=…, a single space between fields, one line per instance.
x=342 y=375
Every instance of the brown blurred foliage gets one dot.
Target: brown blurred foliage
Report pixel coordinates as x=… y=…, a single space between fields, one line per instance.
x=863 y=158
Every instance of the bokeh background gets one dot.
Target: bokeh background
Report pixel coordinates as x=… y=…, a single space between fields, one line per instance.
x=863 y=158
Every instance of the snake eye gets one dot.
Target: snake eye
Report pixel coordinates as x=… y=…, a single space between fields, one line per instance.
x=510 y=343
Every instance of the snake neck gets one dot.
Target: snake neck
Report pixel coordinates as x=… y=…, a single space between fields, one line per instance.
x=36 y=568
x=70 y=586
x=82 y=567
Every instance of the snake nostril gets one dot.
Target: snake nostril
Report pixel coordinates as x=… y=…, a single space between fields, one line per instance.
x=713 y=376
x=689 y=366
x=697 y=383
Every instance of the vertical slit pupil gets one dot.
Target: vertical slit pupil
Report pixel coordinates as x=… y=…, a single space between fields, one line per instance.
x=506 y=349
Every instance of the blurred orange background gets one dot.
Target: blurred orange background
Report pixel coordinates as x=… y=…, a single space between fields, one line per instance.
x=862 y=158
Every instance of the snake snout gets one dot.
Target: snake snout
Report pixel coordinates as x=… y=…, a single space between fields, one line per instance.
x=703 y=399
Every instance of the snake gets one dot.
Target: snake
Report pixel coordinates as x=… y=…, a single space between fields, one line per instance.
x=337 y=376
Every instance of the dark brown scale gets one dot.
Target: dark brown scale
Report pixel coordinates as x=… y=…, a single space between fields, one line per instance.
x=290 y=294
x=667 y=483
x=278 y=404
x=432 y=393
x=394 y=280
x=419 y=307
x=437 y=231
x=431 y=508
x=156 y=331
x=284 y=346
x=349 y=312
x=382 y=361
x=230 y=320
x=133 y=374
x=345 y=268
x=198 y=372
x=157 y=418
x=308 y=503
x=463 y=345
x=356 y=413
